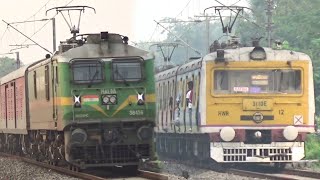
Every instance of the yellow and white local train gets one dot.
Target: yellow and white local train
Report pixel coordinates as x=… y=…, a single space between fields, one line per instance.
x=248 y=104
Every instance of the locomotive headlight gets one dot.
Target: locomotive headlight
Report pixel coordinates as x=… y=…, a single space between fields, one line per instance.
x=290 y=133
x=140 y=98
x=227 y=134
x=113 y=99
x=79 y=136
x=258 y=134
x=109 y=99
x=105 y=99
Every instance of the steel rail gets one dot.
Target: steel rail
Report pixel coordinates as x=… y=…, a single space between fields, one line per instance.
x=62 y=170
x=152 y=175
x=302 y=173
x=281 y=175
x=81 y=175
x=257 y=174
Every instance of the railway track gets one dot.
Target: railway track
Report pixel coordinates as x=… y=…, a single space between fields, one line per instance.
x=269 y=173
x=141 y=175
x=261 y=171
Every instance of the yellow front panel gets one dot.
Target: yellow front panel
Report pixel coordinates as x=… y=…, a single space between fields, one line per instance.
x=239 y=109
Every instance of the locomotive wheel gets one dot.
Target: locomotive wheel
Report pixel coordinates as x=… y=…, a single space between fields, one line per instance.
x=73 y=168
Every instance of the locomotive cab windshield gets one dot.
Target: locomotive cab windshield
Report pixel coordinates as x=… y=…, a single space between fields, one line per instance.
x=273 y=81
x=127 y=70
x=87 y=71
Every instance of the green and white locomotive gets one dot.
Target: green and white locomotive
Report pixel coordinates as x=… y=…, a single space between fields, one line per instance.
x=91 y=104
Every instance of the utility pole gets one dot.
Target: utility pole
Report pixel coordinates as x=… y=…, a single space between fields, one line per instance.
x=18 y=59
x=54 y=34
x=37 y=20
x=269 y=22
x=207 y=20
x=208 y=33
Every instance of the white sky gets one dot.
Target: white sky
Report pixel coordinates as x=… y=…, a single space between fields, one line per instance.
x=133 y=18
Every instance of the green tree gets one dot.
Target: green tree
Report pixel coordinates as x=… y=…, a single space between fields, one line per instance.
x=295 y=23
x=7 y=65
x=194 y=34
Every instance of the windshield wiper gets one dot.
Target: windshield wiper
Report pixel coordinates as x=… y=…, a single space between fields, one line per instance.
x=93 y=77
x=121 y=77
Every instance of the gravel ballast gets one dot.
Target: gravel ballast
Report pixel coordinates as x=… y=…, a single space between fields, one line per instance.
x=175 y=171
x=11 y=168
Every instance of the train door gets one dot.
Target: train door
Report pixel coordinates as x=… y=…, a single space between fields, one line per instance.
x=196 y=99
x=13 y=84
x=6 y=104
x=161 y=105
x=183 y=104
x=55 y=82
x=3 y=107
x=171 y=104
x=178 y=120
x=157 y=105
x=10 y=106
x=188 y=105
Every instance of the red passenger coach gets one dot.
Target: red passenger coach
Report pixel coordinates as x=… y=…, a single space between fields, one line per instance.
x=13 y=112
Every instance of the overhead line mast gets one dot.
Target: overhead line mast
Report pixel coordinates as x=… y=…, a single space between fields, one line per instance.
x=26 y=36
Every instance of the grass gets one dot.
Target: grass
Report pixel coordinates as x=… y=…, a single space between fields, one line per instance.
x=312 y=146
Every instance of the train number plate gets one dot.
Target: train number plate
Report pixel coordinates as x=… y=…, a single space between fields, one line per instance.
x=257 y=104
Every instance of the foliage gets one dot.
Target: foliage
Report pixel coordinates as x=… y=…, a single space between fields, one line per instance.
x=312 y=147
x=295 y=23
x=7 y=65
x=191 y=33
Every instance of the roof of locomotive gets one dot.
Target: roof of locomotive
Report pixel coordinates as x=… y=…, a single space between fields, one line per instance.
x=237 y=54
x=13 y=75
x=242 y=54
x=93 y=48
x=97 y=48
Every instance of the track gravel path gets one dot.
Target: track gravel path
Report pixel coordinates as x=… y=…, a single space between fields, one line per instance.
x=13 y=169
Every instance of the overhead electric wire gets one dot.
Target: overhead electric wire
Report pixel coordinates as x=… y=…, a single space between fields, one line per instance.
x=184 y=8
x=235 y=3
x=153 y=32
x=27 y=37
x=240 y=15
x=195 y=50
x=45 y=24
x=4 y=34
x=39 y=9
x=12 y=36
